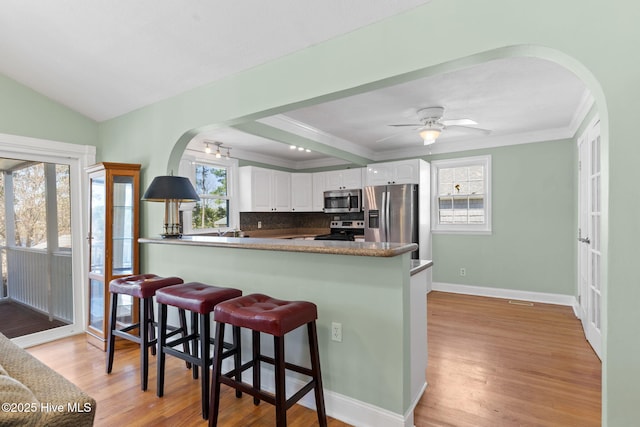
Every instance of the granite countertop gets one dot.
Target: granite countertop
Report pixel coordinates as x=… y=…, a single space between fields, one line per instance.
x=286 y=233
x=375 y=249
x=417 y=265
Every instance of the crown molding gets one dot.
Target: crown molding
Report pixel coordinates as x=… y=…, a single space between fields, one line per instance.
x=492 y=141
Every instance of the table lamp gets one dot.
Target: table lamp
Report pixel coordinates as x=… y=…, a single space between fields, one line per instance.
x=172 y=190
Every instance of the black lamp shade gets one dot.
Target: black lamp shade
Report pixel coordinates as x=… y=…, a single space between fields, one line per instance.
x=170 y=187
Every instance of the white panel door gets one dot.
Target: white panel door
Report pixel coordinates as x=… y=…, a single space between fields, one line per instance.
x=589 y=226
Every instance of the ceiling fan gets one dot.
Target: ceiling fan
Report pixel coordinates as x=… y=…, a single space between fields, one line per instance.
x=432 y=124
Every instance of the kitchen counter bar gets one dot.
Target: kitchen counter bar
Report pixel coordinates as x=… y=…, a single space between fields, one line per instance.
x=372 y=249
x=418 y=265
x=375 y=291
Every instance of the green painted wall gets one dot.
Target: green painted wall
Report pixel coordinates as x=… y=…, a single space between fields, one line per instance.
x=27 y=113
x=596 y=40
x=365 y=294
x=532 y=244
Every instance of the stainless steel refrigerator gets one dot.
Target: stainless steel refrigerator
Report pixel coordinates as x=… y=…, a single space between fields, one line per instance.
x=391 y=214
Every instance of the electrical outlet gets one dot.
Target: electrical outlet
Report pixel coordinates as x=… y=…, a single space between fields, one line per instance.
x=259 y=224
x=336 y=331
x=463 y=271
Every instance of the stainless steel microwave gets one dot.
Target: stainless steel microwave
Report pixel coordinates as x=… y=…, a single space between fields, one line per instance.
x=342 y=201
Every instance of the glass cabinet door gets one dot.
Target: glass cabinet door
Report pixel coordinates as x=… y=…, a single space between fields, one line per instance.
x=122 y=232
x=96 y=236
x=96 y=253
x=122 y=240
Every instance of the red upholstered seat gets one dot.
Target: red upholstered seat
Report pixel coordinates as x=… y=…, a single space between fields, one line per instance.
x=200 y=299
x=195 y=297
x=142 y=285
x=262 y=313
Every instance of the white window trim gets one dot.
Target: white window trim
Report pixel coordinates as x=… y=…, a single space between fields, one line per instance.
x=187 y=169
x=437 y=228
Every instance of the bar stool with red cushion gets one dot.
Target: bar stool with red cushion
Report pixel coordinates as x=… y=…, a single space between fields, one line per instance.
x=263 y=314
x=200 y=300
x=144 y=287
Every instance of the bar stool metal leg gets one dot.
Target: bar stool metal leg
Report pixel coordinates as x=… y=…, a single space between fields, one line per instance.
x=205 y=345
x=214 y=398
x=255 y=339
x=110 y=337
x=281 y=398
x=144 y=336
x=315 y=367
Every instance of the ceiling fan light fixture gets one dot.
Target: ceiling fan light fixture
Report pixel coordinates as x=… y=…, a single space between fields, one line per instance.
x=430 y=134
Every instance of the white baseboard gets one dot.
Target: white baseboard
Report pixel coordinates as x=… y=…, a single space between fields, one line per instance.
x=483 y=291
x=338 y=406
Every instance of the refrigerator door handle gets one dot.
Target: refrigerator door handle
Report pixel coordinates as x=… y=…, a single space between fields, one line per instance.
x=383 y=217
x=387 y=215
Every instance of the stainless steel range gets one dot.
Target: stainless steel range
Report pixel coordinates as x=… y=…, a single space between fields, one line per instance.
x=344 y=230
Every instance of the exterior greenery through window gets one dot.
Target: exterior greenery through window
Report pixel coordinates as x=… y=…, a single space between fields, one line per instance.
x=29 y=202
x=461 y=189
x=212 y=211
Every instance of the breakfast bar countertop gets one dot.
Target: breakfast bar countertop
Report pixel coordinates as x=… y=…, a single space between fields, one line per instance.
x=374 y=249
x=418 y=265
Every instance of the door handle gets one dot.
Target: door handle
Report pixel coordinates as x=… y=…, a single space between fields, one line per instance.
x=584 y=240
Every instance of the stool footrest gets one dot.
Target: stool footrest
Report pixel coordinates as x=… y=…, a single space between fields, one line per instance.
x=265 y=395
x=128 y=328
x=296 y=368
x=134 y=338
x=184 y=356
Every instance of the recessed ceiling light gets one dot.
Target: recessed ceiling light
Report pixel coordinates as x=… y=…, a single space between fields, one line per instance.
x=292 y=147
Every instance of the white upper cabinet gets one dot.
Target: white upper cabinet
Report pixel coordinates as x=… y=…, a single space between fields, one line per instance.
x=319 y=187
x=347 y=179
x=264 y=190
x=302 y=192
x=400 y=172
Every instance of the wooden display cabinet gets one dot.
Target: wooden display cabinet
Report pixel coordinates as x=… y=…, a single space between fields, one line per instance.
x=114 y=202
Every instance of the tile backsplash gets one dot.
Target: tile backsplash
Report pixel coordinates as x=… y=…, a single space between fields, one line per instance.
x=290 y=220
x=283 y=220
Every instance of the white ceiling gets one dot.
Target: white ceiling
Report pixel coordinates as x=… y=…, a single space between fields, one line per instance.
x=104 y=59
x=520 y=100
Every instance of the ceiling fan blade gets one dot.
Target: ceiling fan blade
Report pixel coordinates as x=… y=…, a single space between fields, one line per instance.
x=470 y=129
x=417 y=125
x=459 y=122
x=394 y=135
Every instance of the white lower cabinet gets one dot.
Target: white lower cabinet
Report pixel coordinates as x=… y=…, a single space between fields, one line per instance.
x=264 y=190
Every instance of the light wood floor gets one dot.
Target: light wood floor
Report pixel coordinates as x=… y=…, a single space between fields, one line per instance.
x=491 y=363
